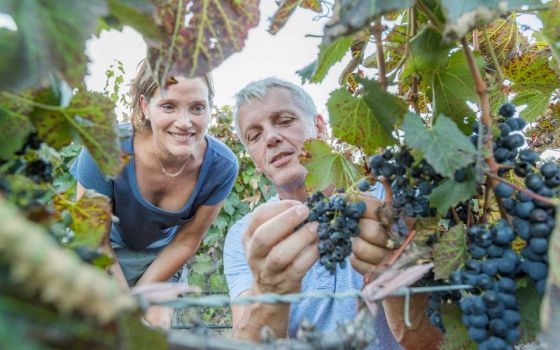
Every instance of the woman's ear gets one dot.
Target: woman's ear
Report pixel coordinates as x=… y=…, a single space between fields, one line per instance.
x=144 y=106
x=321 y=127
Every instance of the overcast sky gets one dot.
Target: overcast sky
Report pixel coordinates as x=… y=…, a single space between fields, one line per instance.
x=264 y=55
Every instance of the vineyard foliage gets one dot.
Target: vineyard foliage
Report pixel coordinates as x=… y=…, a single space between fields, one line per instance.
x=421 y=74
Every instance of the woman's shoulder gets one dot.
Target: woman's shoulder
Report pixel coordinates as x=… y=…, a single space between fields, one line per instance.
x=221 y=150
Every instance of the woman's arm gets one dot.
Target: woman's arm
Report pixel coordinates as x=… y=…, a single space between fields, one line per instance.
x=183 y=246
x=115 y=269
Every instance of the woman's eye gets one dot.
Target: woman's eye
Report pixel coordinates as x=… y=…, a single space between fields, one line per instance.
x=167 y=108
x=199 y=108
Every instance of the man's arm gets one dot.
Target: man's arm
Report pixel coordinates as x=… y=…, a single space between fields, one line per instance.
x=279 y=257
x=368 y=251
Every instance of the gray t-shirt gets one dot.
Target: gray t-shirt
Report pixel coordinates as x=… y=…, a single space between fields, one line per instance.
x=324 y=313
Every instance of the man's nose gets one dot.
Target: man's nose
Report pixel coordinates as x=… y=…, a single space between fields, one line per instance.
x=272 y=137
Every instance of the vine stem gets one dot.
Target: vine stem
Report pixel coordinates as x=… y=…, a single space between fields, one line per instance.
x=435 y=21
x=499 y=74
x=377 y=31
x=414 y=85
x=33 y=103
x=455 y=215
x=397 y=254
x=486 y=209
x=530 y=193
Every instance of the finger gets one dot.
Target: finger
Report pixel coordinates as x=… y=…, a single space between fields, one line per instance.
x=368 y=252
x=373 y=232
x=360 y=265
x=275 y=229
x=371 y=206
x=286 y=251
x=303 y=262
x=263 y=213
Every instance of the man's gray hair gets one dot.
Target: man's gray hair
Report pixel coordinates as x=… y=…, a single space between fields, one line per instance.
x=258 y=89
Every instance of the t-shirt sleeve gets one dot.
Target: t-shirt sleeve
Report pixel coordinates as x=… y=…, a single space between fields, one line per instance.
x=87 y=173
x=236 y=269
x=224 y=188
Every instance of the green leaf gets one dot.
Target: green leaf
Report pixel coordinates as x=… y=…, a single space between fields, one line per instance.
x=450 y=252
x=456 y=336
x=92 y=116
x=505 y=39
x=444 y=146
x=133 y=334
x=353 y=15
x=427 y=51
x=136 y=14
x=51 y=38
x=452 y=86
x=533 y=80
x=202 y=264
x=388 y=109
x=325 y=167
x=450 y=192
x=550 y=308
x=529 y=302
x=13 y=122
x=355 y=123
x=200 y=35
x=329 y=54
x=551 y=29
x=52 y=124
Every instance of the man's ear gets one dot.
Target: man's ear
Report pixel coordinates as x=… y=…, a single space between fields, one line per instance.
x=320 y=127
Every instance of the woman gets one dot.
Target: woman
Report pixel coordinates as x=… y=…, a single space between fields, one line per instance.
x=174 y=184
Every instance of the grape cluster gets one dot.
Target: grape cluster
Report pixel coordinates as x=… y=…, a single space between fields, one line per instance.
x=533 y=220
x=39 y=171
x=491 y=311
x=435 y=301
x=410 y=184
x=338 y=222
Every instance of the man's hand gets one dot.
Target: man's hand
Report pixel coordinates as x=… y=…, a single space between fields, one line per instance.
x=370 y=247
x=279 y=255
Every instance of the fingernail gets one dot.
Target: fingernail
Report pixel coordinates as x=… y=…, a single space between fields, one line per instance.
x=302 y=210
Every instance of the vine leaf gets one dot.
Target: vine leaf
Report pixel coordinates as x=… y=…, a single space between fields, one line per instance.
x=533 y=80
x=282 y=14
x=93 y=118
x=450 y=252
x=427 y=51
x=91 y=217
x=313 y=5
x=465 y=15
x=531 y=301
x=354 y=122
x=325 y=167
x=199 y=35
x=52 y=125
x=42 y=44
x=551 y=28
x=450 y=192
x=444 y=146
x=425 y=229
x=135 y=13
x=452 y=87
x=351 y=16
x=329 y=54
x=13 y=122
x=505 y=38
x=388 y=109
x=456 y=336
x=550 y=308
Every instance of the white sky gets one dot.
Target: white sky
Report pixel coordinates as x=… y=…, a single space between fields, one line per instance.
x=264 y=55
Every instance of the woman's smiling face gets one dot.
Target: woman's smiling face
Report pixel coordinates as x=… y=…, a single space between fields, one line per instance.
x=179 y=117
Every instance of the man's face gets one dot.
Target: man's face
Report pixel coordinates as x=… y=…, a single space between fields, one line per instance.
x=274 y=130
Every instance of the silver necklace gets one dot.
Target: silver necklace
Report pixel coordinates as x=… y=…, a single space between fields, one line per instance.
x=167 y=172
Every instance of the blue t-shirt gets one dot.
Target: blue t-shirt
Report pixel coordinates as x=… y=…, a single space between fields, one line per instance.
x=324 y=313
x=142 y=225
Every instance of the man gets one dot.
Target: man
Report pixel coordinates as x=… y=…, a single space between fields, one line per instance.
x=264 y=253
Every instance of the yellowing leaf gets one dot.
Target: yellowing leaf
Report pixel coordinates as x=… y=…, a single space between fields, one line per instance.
x=13 y=122
x=325 y=167
x=200 y=34
x=450 y=252
x=282 y=14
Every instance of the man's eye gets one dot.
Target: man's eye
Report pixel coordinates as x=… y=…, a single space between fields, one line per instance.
x=252 y=137
x=286 y=121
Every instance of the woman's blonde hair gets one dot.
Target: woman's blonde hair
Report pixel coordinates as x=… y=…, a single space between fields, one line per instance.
x=145 y=84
